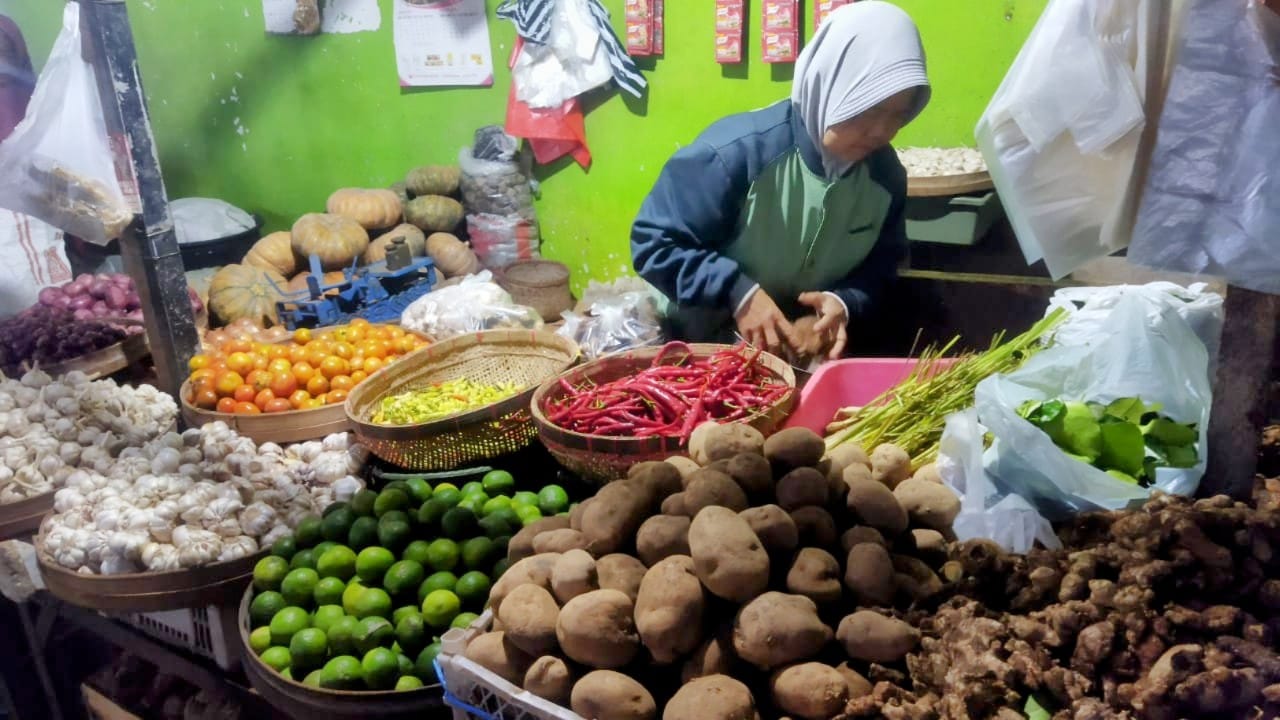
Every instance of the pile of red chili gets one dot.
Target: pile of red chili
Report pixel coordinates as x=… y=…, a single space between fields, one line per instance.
x=671 y=397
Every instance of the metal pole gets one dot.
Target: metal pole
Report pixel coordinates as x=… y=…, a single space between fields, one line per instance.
x=149 y=246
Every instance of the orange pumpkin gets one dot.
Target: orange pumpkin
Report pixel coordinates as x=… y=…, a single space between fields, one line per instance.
x=452 y=256
x=245 y=292
x=372 y=208
x=336 y=240
x=273 y=252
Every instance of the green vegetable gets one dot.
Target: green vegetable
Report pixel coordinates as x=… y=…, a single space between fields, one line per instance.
x=439 y=400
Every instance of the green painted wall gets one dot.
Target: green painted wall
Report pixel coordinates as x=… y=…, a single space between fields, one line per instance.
x=273 y=124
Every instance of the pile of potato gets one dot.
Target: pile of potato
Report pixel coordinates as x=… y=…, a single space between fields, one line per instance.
x=758 y=564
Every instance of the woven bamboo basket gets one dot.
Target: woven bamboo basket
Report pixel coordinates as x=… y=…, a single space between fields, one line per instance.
x=540 y=284
x=524 y=357
x=24 y=516
x=602 y=458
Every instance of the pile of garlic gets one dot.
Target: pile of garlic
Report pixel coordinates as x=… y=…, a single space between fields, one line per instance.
x=51 y=427
x=204 y=496
x=938 y=162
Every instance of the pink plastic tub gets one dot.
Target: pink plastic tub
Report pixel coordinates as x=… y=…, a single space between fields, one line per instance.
x=847 y=383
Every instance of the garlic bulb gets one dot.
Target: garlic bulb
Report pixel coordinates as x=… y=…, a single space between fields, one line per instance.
x=159 y=557
x=257 y=518
x=238 y=547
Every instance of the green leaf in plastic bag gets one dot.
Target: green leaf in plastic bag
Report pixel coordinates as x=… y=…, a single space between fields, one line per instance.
x=1124 y=477
x=1122 y=448
x=1077 y=431
x=1182 y=456
x=1170 y=433
x=1130 y=409
x=1042 y=413
x=1034 y=710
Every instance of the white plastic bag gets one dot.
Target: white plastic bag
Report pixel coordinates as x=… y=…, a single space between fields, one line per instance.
x=477 y=303
x=32 y=257
x=614 y=324
x=500 y=240
x=1161 y=362
x=570 y=63
x=58 y=165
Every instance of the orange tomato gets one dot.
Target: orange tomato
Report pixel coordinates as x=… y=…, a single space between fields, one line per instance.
x=321 y=398
x=318 y=385
x=393 y=332
x=358 y=376
x=283 y=384
x=297 y=353
x=280 y=365
x=244 y=393
x=237 y=345
x=315 y=358
x=226 y=405
x=276 y=352
x=344 y=350
x=355 y=363
x=203 y=374
x=359 y=322
x=299 y=399
x=374 y=348
x=275 y=405
x=227 y=382
x=264 y=397
x=198 y=361
x=356 y=333
x=341 y=382
x=372 y=365
x=206 y=399
x=336 y=397
x=302 y=336
x=303 y=371
x=247 y=408
x=406 y=344
x=259 y=379
x=333 y=366
x=260 y=362
x=313 y=403
x=241 y=362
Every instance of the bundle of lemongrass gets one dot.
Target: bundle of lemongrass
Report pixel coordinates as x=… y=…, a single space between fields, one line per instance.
x=912 y=414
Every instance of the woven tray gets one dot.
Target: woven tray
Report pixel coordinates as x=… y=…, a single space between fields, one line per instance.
x=540 y=284
x=24 y=516
x=602 y=458
x=524 y=357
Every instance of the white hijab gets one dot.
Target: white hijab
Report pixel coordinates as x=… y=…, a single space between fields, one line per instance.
x=864 y=53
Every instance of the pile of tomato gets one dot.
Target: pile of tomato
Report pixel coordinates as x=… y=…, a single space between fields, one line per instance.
x=313 y=368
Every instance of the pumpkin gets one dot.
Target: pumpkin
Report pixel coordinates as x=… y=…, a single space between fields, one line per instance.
x=298 y=283
x=335 y=239
x=273 y=252
x=434 y=213
x=401 y=192
x=373 y=209
x=452 y=256
x=433 y=180
x=413 y=237
x=245 y=293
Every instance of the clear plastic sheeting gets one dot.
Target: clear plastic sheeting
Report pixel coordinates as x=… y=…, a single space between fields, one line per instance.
x=1062 y=134
x=614 y=324
x=477 y=303
x=1212 y=200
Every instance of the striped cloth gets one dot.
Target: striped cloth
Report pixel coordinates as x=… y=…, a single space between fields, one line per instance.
x=533 y=20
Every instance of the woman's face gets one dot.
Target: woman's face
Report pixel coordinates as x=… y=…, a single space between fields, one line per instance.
x=858 y=137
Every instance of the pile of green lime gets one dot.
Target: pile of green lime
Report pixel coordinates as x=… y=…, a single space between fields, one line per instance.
x=358 y=597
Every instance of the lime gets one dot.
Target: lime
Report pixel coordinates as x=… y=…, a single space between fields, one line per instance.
x=260 y=640
x=445 y=486
x=334 y=507
x=411 y=633
x=473 y=488
x=326 y=615
x=528 y=514
x=479 y=553
x=500 y=568
x=508 y=514
x=362 y=502
x=440 y=608
x=309 y=648
x=419 y=490
x=524 y=497
x=372 y=563
x=473 y=503
x=408 y=682
x=374 y=632
x=337 y=524
x=431 y=512
x=406 y=663
x=498 y=481
x=424 y=667
x=342 y=673
x=313 y=678
x=287 y=673
x=277 y=658
x=299 y=587
x=459 y=523
x=338 y=561
x=502 y=542
x=342 y=635
x=400 y=485
x=448 y=496
x=443 y=580
x=473 y=589
x=553 y=499
x=373 y=602
x=394 y=516
x=264 y=607
x=403 y=578
x=388 y=500
x=394 y=535
x=269 y=573
x=416 y=551
x=287 y=622
x=403 y=612
x=494 y=504
x=323 y=547
x=285 y=547
x=381 y=668
x=363 y=533
x=494 y=526
x=329 y=591
x=307 y=533
x=464 y=620
x=443 y=554
x=350 y=595
x=303 y=559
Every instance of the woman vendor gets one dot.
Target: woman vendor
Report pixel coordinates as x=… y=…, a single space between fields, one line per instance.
x=796 y=208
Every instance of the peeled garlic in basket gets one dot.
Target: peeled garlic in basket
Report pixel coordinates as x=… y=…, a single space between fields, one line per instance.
x=937 y=162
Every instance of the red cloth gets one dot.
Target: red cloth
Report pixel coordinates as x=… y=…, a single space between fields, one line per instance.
x=551 y=133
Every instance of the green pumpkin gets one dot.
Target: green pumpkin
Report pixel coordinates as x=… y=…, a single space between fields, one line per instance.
x=433 y=180
x=434 y=213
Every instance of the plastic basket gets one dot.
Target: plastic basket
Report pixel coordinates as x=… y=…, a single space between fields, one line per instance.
x=209 y=632
x=475 y=693
x=848 y=383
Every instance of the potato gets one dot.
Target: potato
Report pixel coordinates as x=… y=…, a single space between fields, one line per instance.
x=929 y=473
x=597 y=629
x=869 y=575
x=550 y=679
x=794 y=447
x=494 y=652
x=698 y=442
x=713 y=657
x=816 y=526
x=521 y=544
x=662 y=536
x=620 y=572
x=727 y=555
x=576 y=513
x=776 y=628
x=661 y=478
x=608 y=695
x=890 y=465
x=929 y=545
x=529 y=615
x=536 y=569
x=859 y=685
x=674 y=505
x=872 y=637
x=774 y=527
x=849 y=453
x=683 y=464
x=753 y=474
x=725 y=441
x=816 y=575
x=572 y=575
x=801 y=487
x=715 y=697
x=874 y=504
x=855 y=473
x=929 y=504
x=669 y=609
x=610 y=522
x=559 y=541
x=914 y=578
x=811 y=690
x=859 y=534
x=708 y=488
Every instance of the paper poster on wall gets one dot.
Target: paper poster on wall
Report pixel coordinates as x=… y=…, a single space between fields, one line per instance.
x=308 y=17
x=442 y=43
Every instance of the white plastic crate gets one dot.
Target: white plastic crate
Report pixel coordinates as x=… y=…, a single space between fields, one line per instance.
x=474 y=693
x=209 y=632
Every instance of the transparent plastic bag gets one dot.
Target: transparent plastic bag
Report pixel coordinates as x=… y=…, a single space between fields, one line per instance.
x=58 y=165
x=500 y=240
x=496 y=187
x=570 y=63
x=474 y=304
x=614 y=324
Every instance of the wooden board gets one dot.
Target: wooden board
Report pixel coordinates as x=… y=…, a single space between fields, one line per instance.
x=24 y=517
x=943 y=185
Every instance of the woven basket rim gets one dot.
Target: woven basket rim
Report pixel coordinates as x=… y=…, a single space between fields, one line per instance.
x=532 y=280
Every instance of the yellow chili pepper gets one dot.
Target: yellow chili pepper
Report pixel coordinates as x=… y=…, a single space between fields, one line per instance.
x=439 y=400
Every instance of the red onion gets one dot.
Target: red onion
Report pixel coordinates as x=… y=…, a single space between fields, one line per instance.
x=80 y=302
x=83 y=314
x=134 y=314
x=49 y=296
x=116 y=298
x=131 y=300
x=98 y=288
x=84 y=278
x=100 y=308
x=122 y=280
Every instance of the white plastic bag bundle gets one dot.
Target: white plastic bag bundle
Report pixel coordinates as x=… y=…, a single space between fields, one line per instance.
x=57 y=165
x=477 y=303
x=569 y=64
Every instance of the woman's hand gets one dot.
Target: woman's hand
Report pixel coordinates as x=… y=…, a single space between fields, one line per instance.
x=762 y=324
x=832 y=319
